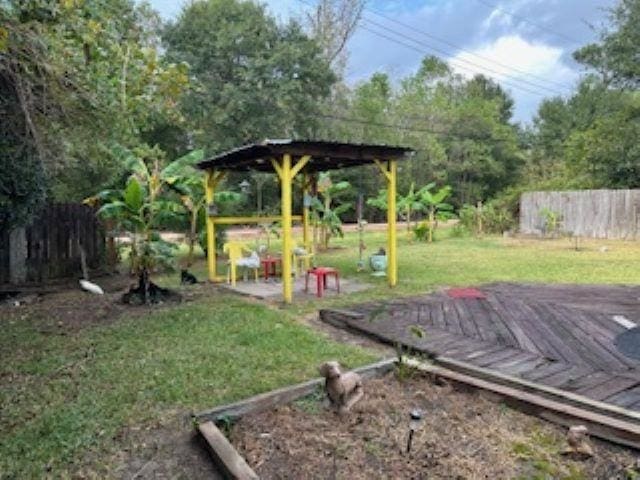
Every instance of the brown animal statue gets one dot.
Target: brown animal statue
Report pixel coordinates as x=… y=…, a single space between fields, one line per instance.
x=578 y=440
x=343 y=389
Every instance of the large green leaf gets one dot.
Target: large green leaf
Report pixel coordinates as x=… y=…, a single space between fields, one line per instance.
x=133 y=194
x=114 y=209
x=130 y=161
x=183 y=166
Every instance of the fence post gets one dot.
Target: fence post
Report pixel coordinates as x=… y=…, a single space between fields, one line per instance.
x=17 y=256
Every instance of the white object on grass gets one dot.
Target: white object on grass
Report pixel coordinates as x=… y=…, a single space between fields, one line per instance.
x=91 y=287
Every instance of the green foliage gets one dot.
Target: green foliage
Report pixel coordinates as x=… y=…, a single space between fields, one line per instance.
x=552 y=222
x=460 y=129
x=257 y=79
x=433 y=203
x=327 y=208
x=615 y=57
x=141 y=209
x=76 y=76
x=491 y=218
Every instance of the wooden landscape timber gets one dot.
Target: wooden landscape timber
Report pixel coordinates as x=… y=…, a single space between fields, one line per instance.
x=225 y=456
x=281 y=396
x=604 y=421
x=536 y=402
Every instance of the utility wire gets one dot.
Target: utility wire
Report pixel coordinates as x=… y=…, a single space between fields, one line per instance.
x=473 y=71
x=409 y=128
x=421 y=50
x=462 y=49
x=468 y=62
x=525 y=19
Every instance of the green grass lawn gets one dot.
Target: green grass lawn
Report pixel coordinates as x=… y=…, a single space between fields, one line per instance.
x=462 y=261
x=65 y=398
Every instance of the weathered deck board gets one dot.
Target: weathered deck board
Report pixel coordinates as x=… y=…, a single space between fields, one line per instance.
x=558 y=336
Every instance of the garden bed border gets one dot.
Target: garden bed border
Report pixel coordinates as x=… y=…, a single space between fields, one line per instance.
x=603 y=421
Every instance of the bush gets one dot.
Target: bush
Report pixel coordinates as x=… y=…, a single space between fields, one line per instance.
x=490 y=218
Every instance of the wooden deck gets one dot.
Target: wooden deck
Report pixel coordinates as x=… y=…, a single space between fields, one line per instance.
x=557 y=336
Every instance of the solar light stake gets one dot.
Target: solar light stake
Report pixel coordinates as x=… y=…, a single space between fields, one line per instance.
x=414 y=424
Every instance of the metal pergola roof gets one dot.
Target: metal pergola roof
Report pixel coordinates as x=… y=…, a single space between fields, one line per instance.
x=324 y=155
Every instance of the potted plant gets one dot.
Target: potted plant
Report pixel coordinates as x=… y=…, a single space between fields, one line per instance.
x=378 y=263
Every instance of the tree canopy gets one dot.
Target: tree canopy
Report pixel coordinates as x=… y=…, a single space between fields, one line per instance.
x=82 y=80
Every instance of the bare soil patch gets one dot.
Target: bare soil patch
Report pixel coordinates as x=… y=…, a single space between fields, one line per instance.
x=462 y=436
x=70 y=309
x=168 y=449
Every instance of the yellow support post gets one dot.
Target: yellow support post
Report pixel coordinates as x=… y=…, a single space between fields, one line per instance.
x=212 y=179
x=392 y=264
x=286 y=187
x=306 y=238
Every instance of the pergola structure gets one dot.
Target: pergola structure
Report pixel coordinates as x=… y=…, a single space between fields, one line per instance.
x=289 y=158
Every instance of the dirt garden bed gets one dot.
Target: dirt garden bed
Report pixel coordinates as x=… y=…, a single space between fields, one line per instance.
x=462 y=436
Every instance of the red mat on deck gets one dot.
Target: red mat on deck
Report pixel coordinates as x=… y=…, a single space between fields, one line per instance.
x=465 y=293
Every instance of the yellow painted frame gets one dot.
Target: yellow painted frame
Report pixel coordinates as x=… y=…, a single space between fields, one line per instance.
x=211 y=181
x=390 y=173
x=286 y=171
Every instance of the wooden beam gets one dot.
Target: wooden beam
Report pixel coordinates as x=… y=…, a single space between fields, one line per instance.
x=299 y=165
x=392 y=233
x=603 y=426
x=383 y=168
x=277 y=167
x=224 y=454
x=528 y=386
x=265 y=401
x=286 y=188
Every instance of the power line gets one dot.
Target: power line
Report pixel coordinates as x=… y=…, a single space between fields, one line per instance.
x=455 y=62
x=419 y=50
x=462 y=49
x=525 y=19
x=371 y=123
x=476 y=65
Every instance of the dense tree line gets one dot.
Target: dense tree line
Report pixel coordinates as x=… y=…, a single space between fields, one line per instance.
x=79 y=81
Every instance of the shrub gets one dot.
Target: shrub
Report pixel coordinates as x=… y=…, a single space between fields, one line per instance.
x=490 y=218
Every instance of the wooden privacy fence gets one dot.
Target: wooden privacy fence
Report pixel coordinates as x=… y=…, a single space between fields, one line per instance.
x=49 y=248
x=587 y=213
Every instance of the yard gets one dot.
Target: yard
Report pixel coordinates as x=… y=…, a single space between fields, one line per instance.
x=91 y=389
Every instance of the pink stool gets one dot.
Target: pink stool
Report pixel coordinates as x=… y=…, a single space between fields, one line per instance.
x=321 y=274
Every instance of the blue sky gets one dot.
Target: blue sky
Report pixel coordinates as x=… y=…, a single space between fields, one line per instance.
x=526 y=45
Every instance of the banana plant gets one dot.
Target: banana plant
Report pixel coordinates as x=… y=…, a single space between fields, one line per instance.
x=141 y=209
x=406 y=205
x=183 y=179
x=324 y=214
x=435 y=206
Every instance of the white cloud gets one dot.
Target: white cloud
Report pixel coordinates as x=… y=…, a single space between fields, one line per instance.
x=514 y=53
x=522 y=67
x=496 y=17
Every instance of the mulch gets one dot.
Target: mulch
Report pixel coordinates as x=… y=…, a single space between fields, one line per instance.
x=462 y=436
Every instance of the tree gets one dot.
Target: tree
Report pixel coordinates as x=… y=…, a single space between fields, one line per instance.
x=255 y=79
x=615 y=57
x=74 y=78
x=182 y=178
x=332 y=23
x=586 y=141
